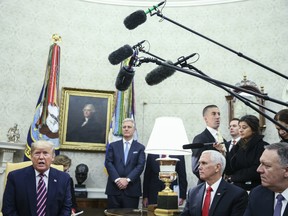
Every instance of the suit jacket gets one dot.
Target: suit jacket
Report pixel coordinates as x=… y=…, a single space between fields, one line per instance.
x=261 y=202
x=152 y=185
x=116 y=168
x=229 y=200
x=20 y=193
x=204 y=137
x=227 y=145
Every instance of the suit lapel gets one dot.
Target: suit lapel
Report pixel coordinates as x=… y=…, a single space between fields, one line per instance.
x=52 y=187
x=121 y=150
x=30 y=180
x=130 y=152
x=200 y=198
x=268 y=199
x=218 y=196
x=209 y=135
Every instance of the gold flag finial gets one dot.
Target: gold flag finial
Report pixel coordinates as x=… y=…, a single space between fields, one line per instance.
x=56 y=38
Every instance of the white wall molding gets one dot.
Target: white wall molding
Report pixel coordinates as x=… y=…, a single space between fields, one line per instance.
x=178 y=3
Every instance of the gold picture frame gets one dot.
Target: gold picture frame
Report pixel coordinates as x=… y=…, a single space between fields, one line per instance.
x=78 y=133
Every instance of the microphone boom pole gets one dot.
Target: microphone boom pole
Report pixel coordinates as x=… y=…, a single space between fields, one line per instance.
x=222 y=84
x=221 y=45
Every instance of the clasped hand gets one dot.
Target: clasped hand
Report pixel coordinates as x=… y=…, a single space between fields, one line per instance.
x=122 y=183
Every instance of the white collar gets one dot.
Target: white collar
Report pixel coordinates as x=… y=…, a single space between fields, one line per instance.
x=46 y=173
x=284 y=194
x=214 y=186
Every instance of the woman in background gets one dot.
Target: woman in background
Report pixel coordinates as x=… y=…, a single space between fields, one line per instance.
x=66 y=162
x=282 y=118
x=243 y=159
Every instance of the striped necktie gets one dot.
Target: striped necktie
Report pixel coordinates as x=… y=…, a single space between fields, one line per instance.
x=41 y=196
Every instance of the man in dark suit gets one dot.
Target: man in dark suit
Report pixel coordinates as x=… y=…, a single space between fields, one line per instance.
x=20 y=195
x=124 y=184
x=152 y=184
x=234 y=132
x=225 y=199
x=273 y=169
x=211 y=116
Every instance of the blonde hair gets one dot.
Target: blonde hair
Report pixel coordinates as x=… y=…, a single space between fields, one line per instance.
x=42 y=144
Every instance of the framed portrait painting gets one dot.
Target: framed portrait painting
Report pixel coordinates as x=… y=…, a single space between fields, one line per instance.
x=85 y=116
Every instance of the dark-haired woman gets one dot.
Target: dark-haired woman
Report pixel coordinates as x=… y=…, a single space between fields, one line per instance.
x=243 y=159
x=282 y=118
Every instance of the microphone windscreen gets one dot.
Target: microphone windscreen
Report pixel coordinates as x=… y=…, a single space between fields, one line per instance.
x=159 y=74
x=124 y=79
x=120 y=54
x=196 y=145
x=193 y=146
x=135 y=19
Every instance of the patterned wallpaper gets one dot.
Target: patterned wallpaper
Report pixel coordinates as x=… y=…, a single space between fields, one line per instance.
x=91 y=31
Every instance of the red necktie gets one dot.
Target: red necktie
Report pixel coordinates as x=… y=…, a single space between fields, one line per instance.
x=206 y=205
x=234 y=142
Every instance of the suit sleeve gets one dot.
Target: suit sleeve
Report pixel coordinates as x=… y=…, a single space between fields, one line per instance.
x=185 y=211
x=109 y=162
x=181 y=170
x=9 y=199
x=67 y=202
x=147 y=174
x=196 y=153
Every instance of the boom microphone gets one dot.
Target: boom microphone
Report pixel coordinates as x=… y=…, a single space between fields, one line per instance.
x=159 y=74
x=126 y=73
x=162 y=72
x=124 y=78
x=139 y=17
x=198 y=145
x=120 y=54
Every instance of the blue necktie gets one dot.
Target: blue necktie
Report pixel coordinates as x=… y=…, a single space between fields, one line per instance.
x=278 y=207
x=126 y=151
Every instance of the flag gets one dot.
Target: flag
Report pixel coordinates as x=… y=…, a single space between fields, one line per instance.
x=45 y=125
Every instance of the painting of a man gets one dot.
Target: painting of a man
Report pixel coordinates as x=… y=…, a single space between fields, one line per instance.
x=90 y=127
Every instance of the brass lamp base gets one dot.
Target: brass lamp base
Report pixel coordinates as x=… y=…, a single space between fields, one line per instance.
x=167 y=203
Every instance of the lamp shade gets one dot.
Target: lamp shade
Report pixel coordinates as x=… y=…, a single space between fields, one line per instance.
x=167 y=137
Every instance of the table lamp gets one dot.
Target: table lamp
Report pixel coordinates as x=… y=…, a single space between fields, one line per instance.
x=167 y=138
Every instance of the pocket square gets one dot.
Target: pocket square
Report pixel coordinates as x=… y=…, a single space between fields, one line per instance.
x=135 y=152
